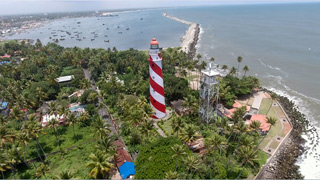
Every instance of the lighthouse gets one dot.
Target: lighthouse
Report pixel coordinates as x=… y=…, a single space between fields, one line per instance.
x=156 y=80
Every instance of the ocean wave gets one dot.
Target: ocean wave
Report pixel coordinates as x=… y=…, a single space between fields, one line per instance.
x=274 y=68
x=200 y=37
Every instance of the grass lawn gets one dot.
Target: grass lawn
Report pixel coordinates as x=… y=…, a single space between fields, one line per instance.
x=75 y=159
x=5 y=41
x=261 y=159
x=192 y=77
x=167 y=127
x=276 y=129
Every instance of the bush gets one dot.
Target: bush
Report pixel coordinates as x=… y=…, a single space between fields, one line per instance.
x=155 y=159
x=85 y=95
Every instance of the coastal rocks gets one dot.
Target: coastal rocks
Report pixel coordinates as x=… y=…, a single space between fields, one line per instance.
x=283 y=164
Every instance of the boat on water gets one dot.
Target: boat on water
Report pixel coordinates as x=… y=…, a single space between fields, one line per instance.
x=127 y=29
x=62 y=39
x=119 y=32
x=105 y=35
x=92 y=39
x=106 y=40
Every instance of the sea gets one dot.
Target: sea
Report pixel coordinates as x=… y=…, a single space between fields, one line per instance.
x=279 y=42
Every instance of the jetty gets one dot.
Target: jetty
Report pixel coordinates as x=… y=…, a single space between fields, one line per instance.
x=191 y=37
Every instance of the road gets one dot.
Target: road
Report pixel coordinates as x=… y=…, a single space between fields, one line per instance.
x=102 y=111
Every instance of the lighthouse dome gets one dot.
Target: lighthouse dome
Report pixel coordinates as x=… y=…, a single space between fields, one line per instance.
x=154 y=44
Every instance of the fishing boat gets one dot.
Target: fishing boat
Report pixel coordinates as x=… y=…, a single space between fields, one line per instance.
x=106 y=40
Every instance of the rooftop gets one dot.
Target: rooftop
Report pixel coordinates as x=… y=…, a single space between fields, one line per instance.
x=64 y=78
x=263 y=120
x=3 y=105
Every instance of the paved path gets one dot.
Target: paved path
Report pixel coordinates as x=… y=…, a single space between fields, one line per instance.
x=102 y=111
x=168 y=115
x=159 y=129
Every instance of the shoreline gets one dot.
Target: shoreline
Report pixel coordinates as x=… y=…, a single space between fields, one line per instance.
x=190 y=38
x=290 y=150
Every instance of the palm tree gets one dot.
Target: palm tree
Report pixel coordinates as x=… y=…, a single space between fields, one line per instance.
x=192 y=163
x=106 y=145
x=192 y=104
x=72 y=120
x=99 y=164
x=53 y=123
x=212 y=59
x=6 y=136
x=272 y=121
x=189 y=133
x=3 y=120
x=53 y=107
x=66 y=174
x=4 y=164
x=32 y=128
x=245 y=69
x=273 y=97
x=14 y=155
x=41 y=95
x=224 y=67
x=212 y=143
x=101 y=127
x=42 y=170
x=249 y=156
x=239 y=61
x=184 y=73
x=177 y=124
x=233 y=71
x=179 y=151
x=85 y=84
x=23 y=139
x=256 y=126
x=16 y=114
x=172 y=175
x=146 y=128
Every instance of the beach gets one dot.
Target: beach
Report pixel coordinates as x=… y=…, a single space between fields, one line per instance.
x=191 y=37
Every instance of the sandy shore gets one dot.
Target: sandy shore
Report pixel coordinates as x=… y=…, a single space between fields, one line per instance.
x=191 y=37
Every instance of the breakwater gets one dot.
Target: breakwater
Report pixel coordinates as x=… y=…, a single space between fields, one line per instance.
x=191 y=37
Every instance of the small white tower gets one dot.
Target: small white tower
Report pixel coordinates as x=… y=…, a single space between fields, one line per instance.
x=209 y=93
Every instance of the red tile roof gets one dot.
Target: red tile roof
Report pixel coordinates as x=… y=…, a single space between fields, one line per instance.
x=5 y=56
x=121 y=157
x=263 y=120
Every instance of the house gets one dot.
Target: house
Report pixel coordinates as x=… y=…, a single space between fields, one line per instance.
x=5 y=56
x=197 y=146
x=264 y=127
x=224 y=112
x=76 y=93
x=4 y=110
x=64 y=79
x=124 y=163
x=46 y=118
x=178 y=107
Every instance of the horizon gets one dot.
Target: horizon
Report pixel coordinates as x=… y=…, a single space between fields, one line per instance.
x=29 y=7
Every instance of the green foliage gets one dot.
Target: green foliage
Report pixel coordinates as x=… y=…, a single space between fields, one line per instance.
x=175 y=87
x=84 y=99
x=155 y=159
x=232 y=87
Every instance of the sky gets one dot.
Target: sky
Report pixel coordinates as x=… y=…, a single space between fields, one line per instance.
x=9 y=7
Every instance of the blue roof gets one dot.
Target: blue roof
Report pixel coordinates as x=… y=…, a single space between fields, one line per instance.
x=3 y=105
x=4 y=62
x=127 y=169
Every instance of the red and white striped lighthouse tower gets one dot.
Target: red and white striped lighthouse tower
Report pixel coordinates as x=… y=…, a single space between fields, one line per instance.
x=156 y=80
